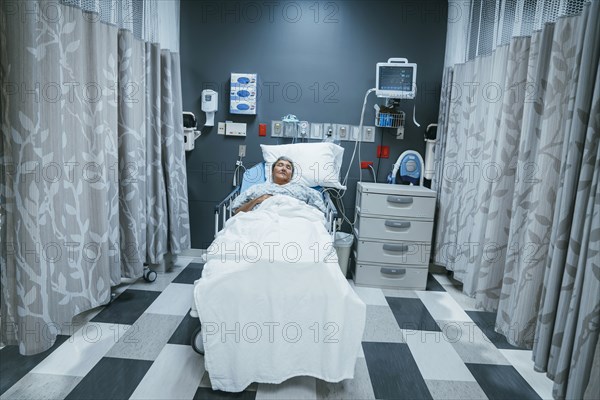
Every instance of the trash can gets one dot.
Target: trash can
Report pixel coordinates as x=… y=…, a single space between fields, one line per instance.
x=343 y=245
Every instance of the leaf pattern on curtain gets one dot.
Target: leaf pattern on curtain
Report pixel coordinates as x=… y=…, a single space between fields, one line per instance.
x=484 y=281
x=82 y=189
x=132 y=154
x=569 y=316
x=541 y=217
x=173 y=148
x=60 y=240
x=449 y=212
x=484 y=172
x=442 y=129
x=156 y=200
x=535 y=196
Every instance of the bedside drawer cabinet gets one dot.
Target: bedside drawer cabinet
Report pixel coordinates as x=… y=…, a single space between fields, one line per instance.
x=393 y=228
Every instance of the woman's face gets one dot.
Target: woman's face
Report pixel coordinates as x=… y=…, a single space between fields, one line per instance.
x=282 y=172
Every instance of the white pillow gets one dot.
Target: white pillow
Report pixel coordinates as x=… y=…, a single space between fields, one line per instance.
x=315 y=164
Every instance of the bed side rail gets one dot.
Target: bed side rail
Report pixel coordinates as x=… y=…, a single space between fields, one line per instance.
x=331 y=214
x=223 y=209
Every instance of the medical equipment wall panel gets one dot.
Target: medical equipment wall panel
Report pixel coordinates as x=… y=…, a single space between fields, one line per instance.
x=393 y=229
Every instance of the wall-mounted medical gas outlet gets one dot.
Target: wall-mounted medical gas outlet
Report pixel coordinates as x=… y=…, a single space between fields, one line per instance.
x=320 y=131
x=342 y=132
x=242 y=150
x=235 y=129
x=303 y=129
x=368 y=134
x=276 y=129
x=221 y=128
x=329 y=131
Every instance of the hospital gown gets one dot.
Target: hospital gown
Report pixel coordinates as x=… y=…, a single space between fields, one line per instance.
x=300 y=192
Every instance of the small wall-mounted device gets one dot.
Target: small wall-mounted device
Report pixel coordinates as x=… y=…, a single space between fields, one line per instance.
x=210 y=105
x=190 y=133
x=235 y=128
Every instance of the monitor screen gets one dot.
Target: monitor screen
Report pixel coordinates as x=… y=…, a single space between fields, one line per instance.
x=396 y=80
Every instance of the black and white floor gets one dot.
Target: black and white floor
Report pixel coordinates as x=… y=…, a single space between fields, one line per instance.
x=417 y=345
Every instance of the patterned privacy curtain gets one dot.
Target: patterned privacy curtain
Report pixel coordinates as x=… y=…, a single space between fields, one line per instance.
x=93 y=182
x=519 y=200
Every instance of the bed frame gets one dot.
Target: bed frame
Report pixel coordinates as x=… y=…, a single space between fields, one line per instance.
x=223 y=211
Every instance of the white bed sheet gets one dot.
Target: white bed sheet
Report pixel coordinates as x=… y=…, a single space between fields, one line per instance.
x=273 y=302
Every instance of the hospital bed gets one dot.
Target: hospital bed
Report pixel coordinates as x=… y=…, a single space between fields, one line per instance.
x=268 y=317
x=256 y=175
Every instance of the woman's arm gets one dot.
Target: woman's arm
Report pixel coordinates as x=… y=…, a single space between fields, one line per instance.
x=315 y=199
x=249 y=205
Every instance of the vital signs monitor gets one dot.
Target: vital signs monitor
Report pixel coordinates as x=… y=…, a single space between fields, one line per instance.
x=396 y=79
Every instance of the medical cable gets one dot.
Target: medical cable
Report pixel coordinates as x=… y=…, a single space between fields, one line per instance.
x=358 y=140
x=239 y=165
x=337 y=197
x=373 y=171
x=379 y=159
x=415 y=115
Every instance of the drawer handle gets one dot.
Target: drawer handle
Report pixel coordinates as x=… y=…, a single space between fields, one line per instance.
x=393 y=271
x=400 y=200
x=401 y=248
x=397 y=224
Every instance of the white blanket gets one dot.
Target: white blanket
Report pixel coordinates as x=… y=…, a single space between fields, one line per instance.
x=273 y=302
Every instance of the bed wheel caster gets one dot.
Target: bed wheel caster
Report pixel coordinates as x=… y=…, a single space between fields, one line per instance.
x=197 y=343
x=149 y=275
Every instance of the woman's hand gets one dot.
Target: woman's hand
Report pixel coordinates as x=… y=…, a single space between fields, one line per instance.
x=261 y=199
x=252 y=203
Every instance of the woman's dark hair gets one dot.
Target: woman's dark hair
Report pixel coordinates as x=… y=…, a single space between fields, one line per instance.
x=283 y=158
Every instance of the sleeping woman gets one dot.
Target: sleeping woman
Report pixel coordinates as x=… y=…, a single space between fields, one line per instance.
x=282 y=172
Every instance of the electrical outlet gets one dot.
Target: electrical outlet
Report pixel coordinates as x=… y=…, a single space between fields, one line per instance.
x=400 y=132
x=383 y=151
x=242 y=150
x=366 y=164
x=221 y=128
x=276 y=129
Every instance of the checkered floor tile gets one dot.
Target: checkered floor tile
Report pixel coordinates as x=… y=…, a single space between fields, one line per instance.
x=419 y=345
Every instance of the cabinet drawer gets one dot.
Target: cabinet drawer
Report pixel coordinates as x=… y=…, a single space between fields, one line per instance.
x=395 y=205
x=401 y=277
x=398 y=253
x=394 y=229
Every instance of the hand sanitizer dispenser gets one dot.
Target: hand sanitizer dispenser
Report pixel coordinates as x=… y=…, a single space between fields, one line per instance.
x=210 y=105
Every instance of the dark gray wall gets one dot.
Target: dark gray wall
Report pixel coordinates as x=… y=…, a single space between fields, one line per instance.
x=313 y=59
